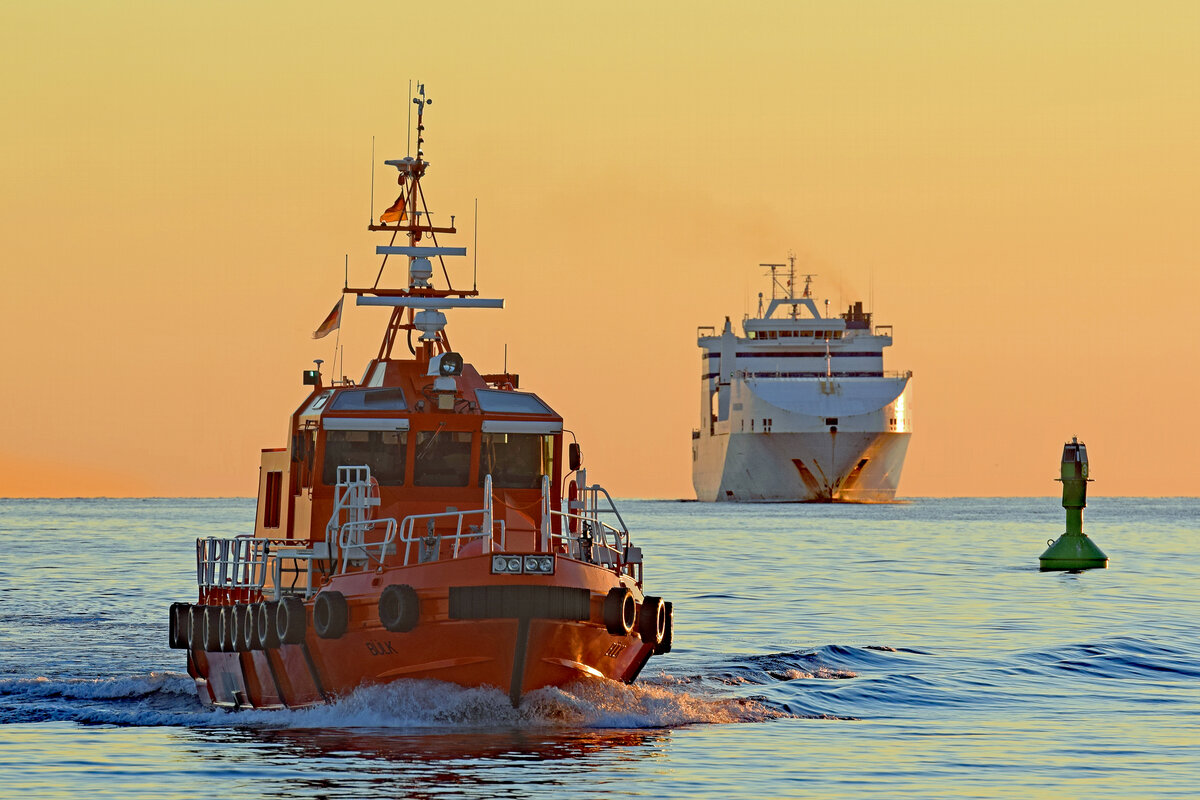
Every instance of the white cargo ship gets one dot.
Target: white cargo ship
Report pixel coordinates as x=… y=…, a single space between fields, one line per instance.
x=800 y=408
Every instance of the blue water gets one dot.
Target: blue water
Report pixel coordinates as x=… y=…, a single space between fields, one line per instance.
x=906 y=650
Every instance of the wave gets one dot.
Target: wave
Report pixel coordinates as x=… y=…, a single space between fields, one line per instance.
x=169 y=698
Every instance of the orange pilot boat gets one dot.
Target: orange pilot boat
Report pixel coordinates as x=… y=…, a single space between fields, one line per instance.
x=416 y=526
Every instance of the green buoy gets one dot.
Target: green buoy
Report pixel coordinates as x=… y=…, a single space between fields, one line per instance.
x=1074 y=550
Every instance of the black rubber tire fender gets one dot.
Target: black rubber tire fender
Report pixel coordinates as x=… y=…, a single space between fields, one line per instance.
x=239 y=621
x=248 y=628
x=196 y=627
x=331 y=614
x=212 y=629
x=290 y=620
x=399 y=608
x=620 y=611
x=178 y=627
x=652 y=621
x=665 y=645
x=227 y=621
x=265 y=624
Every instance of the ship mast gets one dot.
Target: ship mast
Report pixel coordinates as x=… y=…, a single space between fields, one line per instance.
x=418 y=305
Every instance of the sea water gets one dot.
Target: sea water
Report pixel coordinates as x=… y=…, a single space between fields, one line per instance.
x=898 y=650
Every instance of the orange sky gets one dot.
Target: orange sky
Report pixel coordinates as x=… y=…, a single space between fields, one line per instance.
x=1019 y=184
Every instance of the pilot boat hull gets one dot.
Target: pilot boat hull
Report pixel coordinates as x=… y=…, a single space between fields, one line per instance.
x=526 y=645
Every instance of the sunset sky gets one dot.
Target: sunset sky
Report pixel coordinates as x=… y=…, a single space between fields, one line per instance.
x=1015 y=184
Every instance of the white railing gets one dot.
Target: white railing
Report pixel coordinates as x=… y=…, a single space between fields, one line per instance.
x=429 y=545
x=593 y=540
x=237 y=563
x=353 y=546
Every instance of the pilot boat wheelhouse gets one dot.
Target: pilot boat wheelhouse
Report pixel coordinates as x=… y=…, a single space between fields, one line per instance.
x=425 y=522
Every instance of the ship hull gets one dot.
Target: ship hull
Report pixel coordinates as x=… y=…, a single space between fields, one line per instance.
x=521 y=648
x=815 y=467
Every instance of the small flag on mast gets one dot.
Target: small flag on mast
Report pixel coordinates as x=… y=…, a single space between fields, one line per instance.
x=331 y=323
x=396 y=212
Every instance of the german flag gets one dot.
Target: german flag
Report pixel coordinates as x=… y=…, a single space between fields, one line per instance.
x=331 y=323
x=396 y=212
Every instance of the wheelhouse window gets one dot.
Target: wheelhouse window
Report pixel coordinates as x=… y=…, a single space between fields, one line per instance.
x=369 y=400
x=382 y=451
x=494 y=401
x=443 y=458
x=516 y=460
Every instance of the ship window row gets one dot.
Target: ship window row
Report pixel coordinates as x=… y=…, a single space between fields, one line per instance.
x=442 y=458
x=794 y=334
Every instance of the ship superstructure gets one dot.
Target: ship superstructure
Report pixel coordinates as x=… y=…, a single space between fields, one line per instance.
x=426 y=522
x=799 y=408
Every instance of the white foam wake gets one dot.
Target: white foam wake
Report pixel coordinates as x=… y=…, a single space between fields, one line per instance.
x=587 y=704
x=168 y=698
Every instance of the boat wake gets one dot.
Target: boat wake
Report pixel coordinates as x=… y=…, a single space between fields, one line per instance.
x=169 y=698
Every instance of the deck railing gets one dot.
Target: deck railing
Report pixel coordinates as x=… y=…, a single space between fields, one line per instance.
x=234 y=569
x=586 y=537
x=238 y=569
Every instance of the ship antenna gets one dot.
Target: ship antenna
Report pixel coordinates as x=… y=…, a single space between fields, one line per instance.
x=371 y=205
x=408 y=127
x=792 y=280
x=475 y=251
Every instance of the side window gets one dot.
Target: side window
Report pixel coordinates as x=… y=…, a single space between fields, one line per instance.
x=443 y=458
x=272 y=500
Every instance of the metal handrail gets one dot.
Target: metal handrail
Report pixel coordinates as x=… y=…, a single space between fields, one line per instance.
x=350 y=538
x=239 y=563
x=486 y=530
x=592 y=542
x=409 y=538
x=592 y=526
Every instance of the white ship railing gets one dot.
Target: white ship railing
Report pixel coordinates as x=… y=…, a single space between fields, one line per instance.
x=237 y=564
x=354 y=547
x=746 y=374
x=595 y=541
x=359 y=553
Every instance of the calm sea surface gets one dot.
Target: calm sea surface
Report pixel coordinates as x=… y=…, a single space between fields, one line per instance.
x=908 y=650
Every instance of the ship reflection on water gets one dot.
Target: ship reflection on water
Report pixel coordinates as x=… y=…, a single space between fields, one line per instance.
x=342 y=762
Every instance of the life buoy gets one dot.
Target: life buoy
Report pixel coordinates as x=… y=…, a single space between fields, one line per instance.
x=572 y=496
x=265 y=623
x=652 y=621
x=330 y=614
x=399 y=608
x=290 y=620
x=620 y=611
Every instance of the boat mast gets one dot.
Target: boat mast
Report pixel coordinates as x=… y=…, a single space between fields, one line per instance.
x=414 y=221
